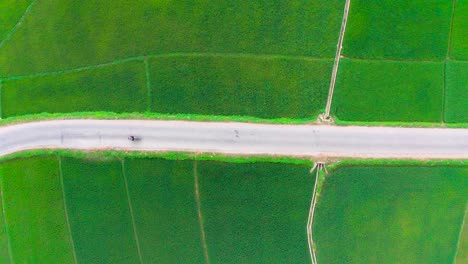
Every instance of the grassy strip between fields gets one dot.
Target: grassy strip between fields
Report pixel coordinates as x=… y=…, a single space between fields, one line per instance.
x=106 y=155
x=211 y=118
x=331 y=166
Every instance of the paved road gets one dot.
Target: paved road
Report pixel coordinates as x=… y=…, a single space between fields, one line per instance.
x=238 y=138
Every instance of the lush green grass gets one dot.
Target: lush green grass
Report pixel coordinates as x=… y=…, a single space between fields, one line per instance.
x=389 y=91
x=255 y=213
x=390 y=214
x=98 y=211
x=34 y=210
x=163 y=201
x=66 y=34
x=398 y=29
x=117 y=88
x=12 y=10
x=267 y=88
x=456 y=93
x=459 y=49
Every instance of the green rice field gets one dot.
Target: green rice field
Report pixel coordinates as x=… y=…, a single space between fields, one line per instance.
x=34 y=212
x=267 y=59
x=456 y=94
x=262 y=87
x=391 y=214
x=410 y=91
x=105 y=210
x=255 y=213
x=116 y=88
x=58 y=34
x=166 y=219
x=459 y=43
x=398 y=29
x=98 y=211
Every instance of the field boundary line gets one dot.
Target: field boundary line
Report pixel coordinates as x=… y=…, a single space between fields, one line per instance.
x=15 y=27
x=149 y=91
x=66 y=71
x=447 y=58
x=444 y=91
x=460 y=234
x=337 y=59
x=200 y=216
x=310 y=220
x=166 y=55
x=2 y=194
x=129 y=201
x=392 y=60
x=72 y=243
x=449 y=44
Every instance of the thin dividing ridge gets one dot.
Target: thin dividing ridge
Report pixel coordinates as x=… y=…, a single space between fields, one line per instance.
x=200 y=216
x=337 y=60
x=130 y=207
x=65 y=209
x=13 y=30
x=168 y=55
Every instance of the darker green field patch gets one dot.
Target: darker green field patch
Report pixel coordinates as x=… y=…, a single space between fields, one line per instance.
x=255 y=213
x=267 y=88
x=390 y=215
x=398 y=29
x=459 y=49
x=389 y=91
x=163 y=201
x=115 y=88
x=34 y=210
x=456 y=93
x=98 y=211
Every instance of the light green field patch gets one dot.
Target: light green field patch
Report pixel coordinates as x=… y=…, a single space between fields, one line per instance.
x=459 y=49
x=390 y=214
x=115 y=88
x=11 y=13
x=389 y=91
x=98 y=211
x=163 y=201
x=255 y=213
x=35 y=212
x=456 y=93
x=398 y=29
x=261 y=87
x=66 y=34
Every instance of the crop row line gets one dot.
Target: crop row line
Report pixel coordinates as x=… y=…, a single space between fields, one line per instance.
x=130 y=207
x=200 y=215
x=72 y=243
x=460 y=234
x=13 y=30
x=10 y=252
x=447 y=58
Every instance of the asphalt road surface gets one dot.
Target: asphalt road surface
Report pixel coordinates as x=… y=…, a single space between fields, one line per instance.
x=238 y=138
